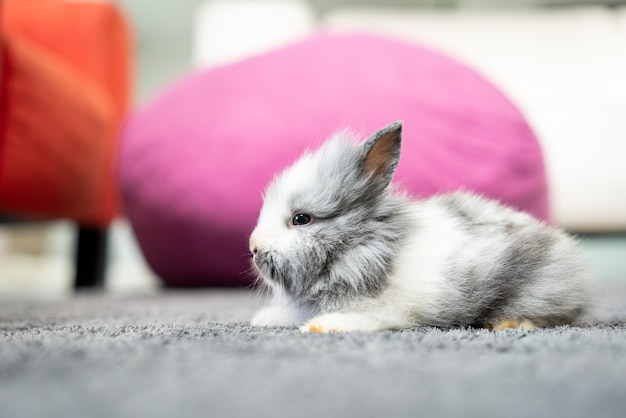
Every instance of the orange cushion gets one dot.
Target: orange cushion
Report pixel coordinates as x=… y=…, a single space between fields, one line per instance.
x=92 y=37
x=55 y=126
x=83 y=45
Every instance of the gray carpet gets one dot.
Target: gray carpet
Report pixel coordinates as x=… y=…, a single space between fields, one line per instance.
x=191 y=354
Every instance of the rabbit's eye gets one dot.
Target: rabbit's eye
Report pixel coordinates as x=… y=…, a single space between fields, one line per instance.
x=300 y=219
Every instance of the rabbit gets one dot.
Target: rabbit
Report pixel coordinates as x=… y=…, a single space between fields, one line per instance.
x=341 y=249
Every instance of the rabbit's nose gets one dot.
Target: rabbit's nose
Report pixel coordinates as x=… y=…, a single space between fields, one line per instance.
x=253 y=246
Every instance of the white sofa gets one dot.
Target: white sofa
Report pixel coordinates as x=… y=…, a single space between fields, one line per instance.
x=565 y=69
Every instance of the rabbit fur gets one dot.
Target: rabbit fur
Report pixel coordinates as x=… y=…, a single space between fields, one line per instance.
x=341 y=249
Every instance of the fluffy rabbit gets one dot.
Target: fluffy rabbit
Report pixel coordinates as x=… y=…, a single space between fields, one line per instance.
x=342 y=250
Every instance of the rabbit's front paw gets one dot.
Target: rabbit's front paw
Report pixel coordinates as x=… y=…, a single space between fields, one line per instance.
x=340 y=322
x=274 y=316
x=521 y=324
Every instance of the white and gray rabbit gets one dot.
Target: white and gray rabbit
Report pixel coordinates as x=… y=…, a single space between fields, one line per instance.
x=342 y=250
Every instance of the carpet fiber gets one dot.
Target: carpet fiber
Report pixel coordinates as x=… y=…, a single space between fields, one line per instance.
x=191 y=354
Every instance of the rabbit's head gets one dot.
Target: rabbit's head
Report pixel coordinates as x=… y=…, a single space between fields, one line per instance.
x=329 y=225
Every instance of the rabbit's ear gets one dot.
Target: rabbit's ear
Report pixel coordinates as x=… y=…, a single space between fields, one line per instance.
x=381 y=154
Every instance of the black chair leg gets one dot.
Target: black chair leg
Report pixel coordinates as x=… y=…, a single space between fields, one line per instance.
x=91 y=255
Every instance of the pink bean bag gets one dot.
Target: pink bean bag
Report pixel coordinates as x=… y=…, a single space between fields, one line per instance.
x=195 y=160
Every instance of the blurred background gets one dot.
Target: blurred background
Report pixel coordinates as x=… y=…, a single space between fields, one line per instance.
x=175 y=37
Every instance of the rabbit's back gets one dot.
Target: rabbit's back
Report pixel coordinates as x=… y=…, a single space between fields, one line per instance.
x=475 y=262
